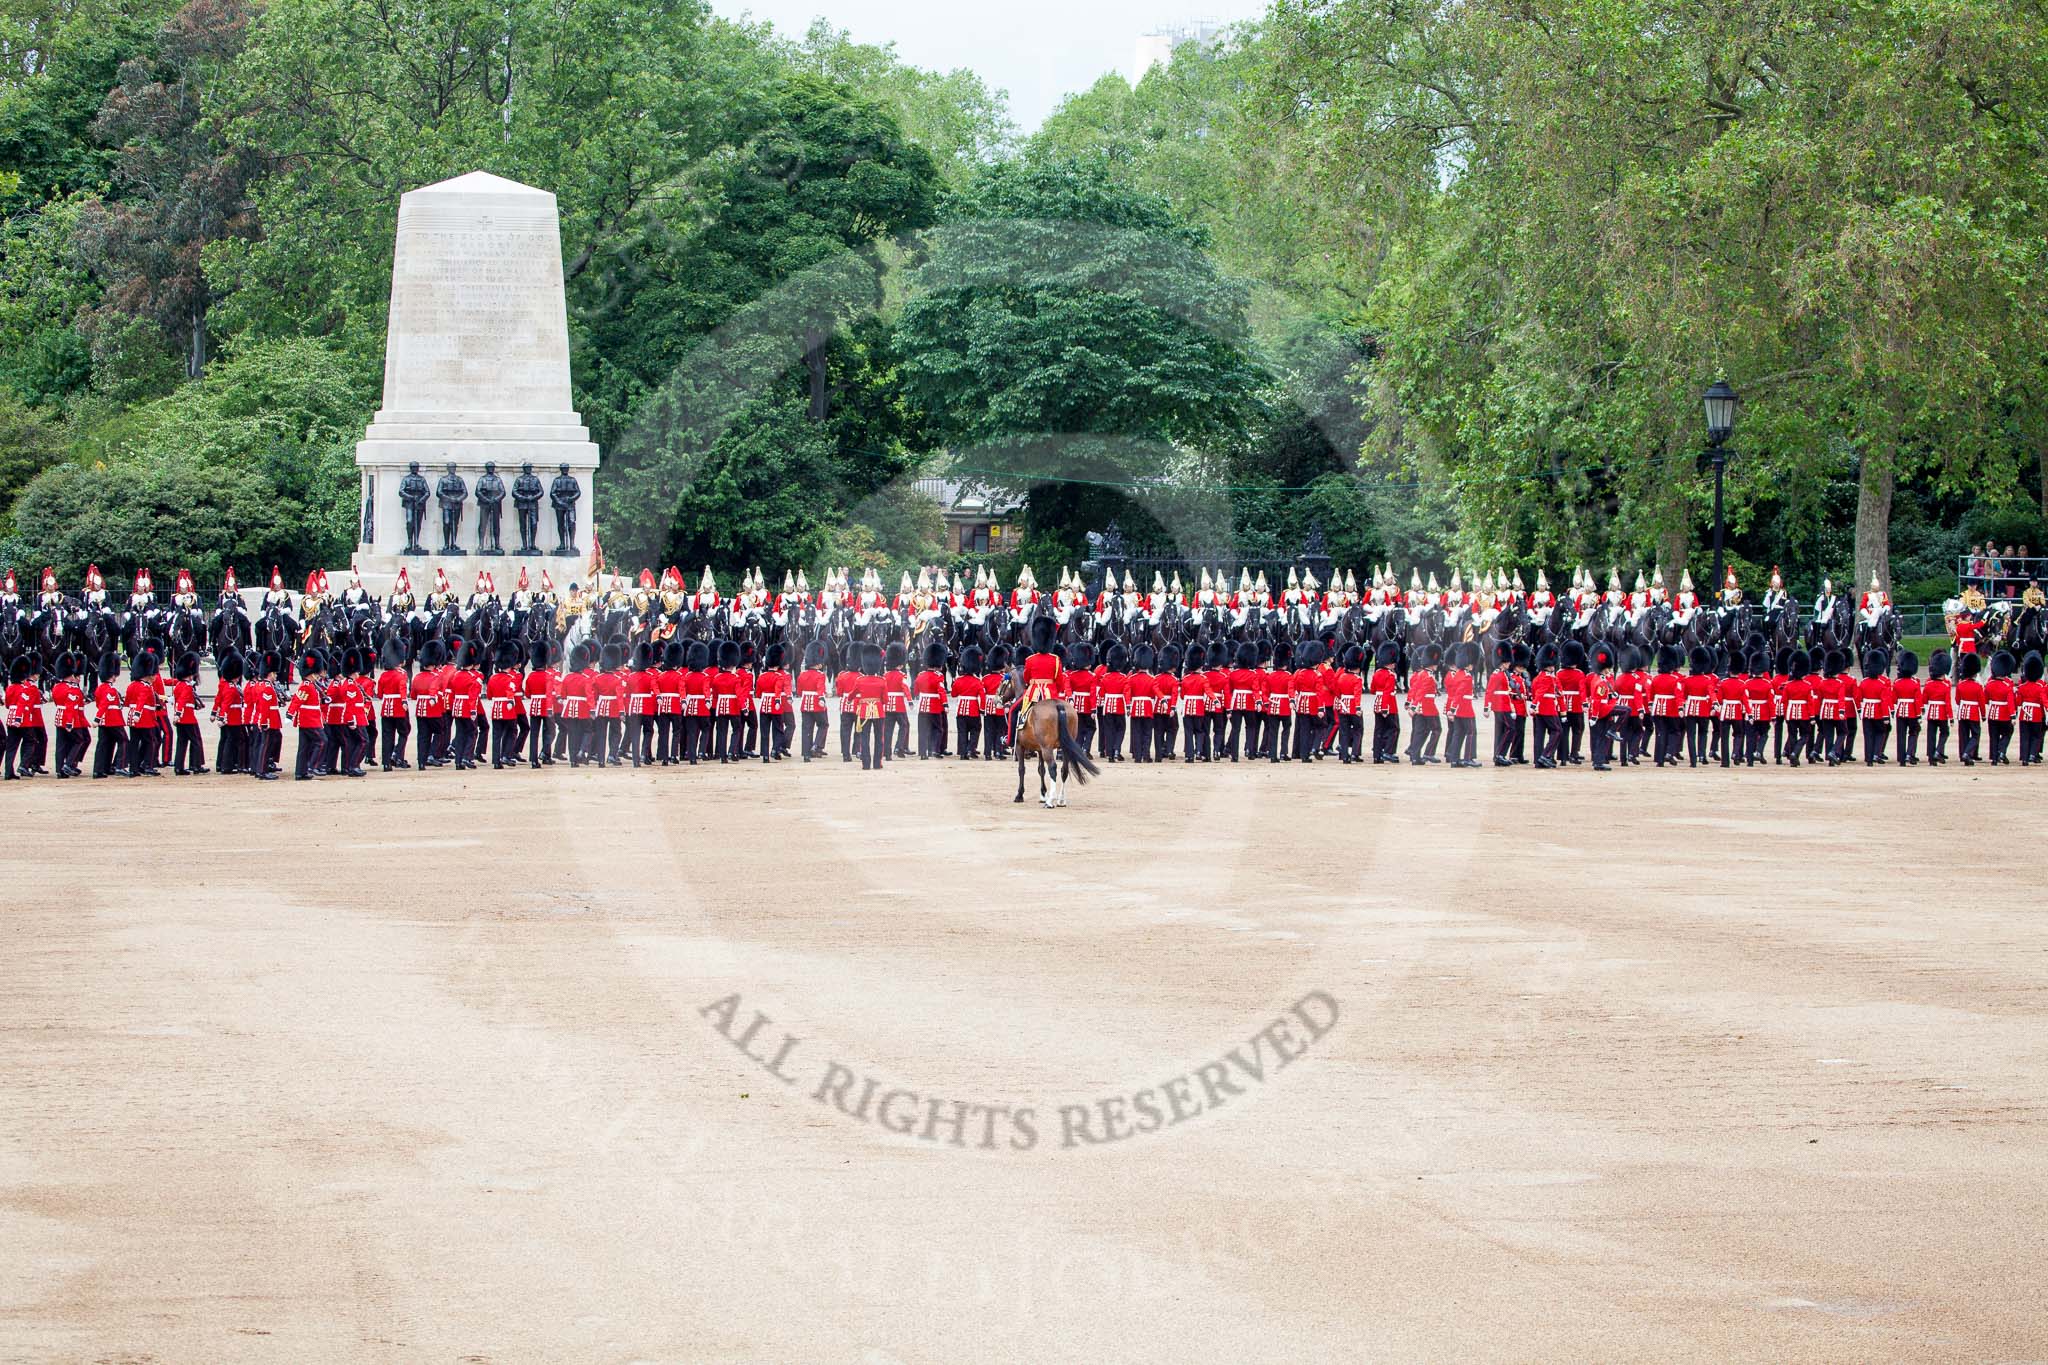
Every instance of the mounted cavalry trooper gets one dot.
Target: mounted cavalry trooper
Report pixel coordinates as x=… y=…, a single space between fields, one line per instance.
x=1025 y=595
x=355 y=595
x=787 y=600
x=1871 y=610
x=484 y=597
x=1614 y=599
x=1295 y=598
x=956 y=599
x=1639 y=600
x=51 y=597
x=1824 y=605
x=1339 y=598
x=870 y=600
x=1775 y=595
x=1207 y=599
x=753 y=605
x=706 y=599
x=95 y=594
x=1153 y=604
x=1485 y=606
x=921 y=608
x=1542 y=602
x=1067 y=598
x=443 y=595
x=1688 y=600
x=1420 y=598
x=985 y=597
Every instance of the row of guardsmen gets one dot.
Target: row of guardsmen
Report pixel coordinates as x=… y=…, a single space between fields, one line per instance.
x=700 y=703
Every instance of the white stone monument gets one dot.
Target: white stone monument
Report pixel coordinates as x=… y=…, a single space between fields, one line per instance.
x=476 y=372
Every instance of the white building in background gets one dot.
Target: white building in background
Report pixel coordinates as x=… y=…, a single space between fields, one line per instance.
x=1156 y=48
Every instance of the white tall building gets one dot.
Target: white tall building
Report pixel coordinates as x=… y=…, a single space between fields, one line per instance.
x=1156 y=48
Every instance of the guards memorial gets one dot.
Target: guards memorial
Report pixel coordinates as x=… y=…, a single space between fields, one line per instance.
x=477 y=459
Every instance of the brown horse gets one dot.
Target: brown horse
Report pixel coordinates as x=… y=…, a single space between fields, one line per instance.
x=1047 y=730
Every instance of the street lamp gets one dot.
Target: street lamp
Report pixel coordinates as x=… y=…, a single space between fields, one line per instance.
x=1720 y=402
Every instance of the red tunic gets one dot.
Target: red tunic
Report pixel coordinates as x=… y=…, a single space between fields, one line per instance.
x=1140 y=696
x=309 y=708
x=1874 y=698
x=2001 y=700
x=141 y=705
x=1699 y=689
x=1458 y=694
x=69 y=699
x=1543 y=693
x=574 y=697
x=1422 y=693
x=1114 y=689
x=504 y=691
x=429 y=699
x=810 y=690
x=392 y=686
x=773 y=688
x=1906 y=698
x=540 y=687
x=930 y=687
x=967 y=696
x=1385 y=692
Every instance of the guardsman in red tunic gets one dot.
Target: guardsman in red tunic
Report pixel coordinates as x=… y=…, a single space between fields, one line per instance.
x=1461 y=744
x=1874 y=707
x=575 y=700
x=1731 y=705
x=846 y=687
x=263 y=700
x=189 y=757
x=1832 y=693
x=1386 y=713
x=429 y=707
x=1241 y=701
x=1347 y=702
x=928 y=695
x=2032 y=713
x=1802 y=708
x=773 y=689
x=1571 y=700
x=1759 y=706
x=811 y=703
x=1667 y=701
x=504 y=697
x=394 y=718
x=1140 y=703
x=143 y=711
x=697 y=701
x=361 y=718
x=896 y=701
x=1498 y=704
x=1632 y=698
x=541 y=690
x=1166 y=703
x=643 y=704
x=231 y=713
x=1112 y=690
x=1083 y=690
x=24 y=711
x=1602 y=705
x=333 y=755
x=870 y=718
x=669 y=690
x=465 y=686
x=725 y=702
x=74 y=730
x=309 y=717
x=110 y=718
x=1425 y=722
x=1906 y=708
x=995 y=667
x=967 y=704
x=1699 y=689
x=2001 y=704
x=608 y=705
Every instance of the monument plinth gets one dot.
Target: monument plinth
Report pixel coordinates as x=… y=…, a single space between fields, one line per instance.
x=477 y=459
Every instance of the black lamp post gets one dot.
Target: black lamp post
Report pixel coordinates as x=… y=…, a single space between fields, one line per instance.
x=1720 y=402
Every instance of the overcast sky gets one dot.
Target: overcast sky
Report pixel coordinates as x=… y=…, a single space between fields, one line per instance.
x=1038 y=51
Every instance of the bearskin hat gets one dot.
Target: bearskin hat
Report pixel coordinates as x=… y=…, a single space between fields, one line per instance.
x=1503 y=652
x=110 y=666
x=459 y=653
x=897 y=655
x=1938 y=664
x=581 y=656
x=1169 y=659
x=187 y=665
x=1525 y=659
x=1354 y=658
x=1968 y=667
x=1041 y=634
x=1117 y=660
x=21 y=669
x=2001 y=664
x=394 y=653
x=1759 y=665
x=728 y=654
x=1799 y=665
x=699 y=655
x=970 y=660
x=433 y=654
x=771 y=657
x=311 y=664
x=1833 y=662
x=1283 y=655
x=999 y=659
x=1546 y=658
x=144 y=666
x=1574 y=654
x=1908 y=663
x=1079 y=655
x=1669 y=659
x=1432 y=656
x=1219 y=654
x=1631 y=659
x=509 y=654
x=1247 y=655
x=814 y=655
x=610 y=657
x=1309 y=654
x=1699 y=661
x=1875 y=665
x=2030 y=667
x=1603 y=658
x=1387 y=655
x=1142 y=659
x=872 y=661
x=935 y=654
x=537 y=657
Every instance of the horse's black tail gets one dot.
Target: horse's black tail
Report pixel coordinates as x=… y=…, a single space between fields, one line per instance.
x=1078 y=763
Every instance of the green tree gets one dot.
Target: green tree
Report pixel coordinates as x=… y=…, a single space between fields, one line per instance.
x=1063 y=325
x=953 y=115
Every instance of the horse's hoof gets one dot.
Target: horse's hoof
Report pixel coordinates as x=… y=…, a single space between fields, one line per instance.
x=1016 y=800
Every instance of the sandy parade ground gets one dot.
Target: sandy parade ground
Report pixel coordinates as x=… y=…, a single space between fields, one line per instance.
x=1220 y=1064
